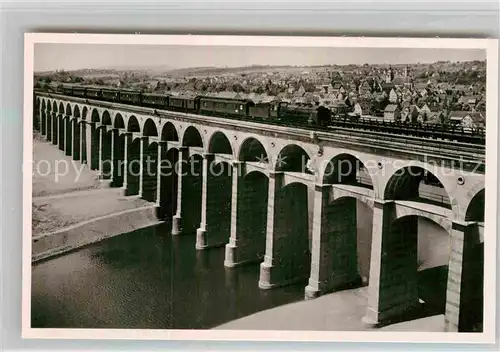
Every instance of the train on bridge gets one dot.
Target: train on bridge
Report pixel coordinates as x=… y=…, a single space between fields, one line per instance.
x=306 y=116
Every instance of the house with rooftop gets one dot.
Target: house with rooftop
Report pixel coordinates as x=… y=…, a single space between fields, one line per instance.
x=392 y=112
x=467 y=118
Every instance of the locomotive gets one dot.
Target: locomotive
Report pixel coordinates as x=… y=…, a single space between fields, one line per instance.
x=304 y=115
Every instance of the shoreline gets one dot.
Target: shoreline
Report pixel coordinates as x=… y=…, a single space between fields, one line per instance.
x=338 y=311
x=79 y=209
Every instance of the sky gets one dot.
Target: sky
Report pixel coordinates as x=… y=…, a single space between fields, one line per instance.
x=50 y=56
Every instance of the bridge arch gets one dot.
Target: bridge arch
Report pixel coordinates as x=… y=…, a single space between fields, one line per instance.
x=94 y=117
x=68 y=110
x=291 y=237
x=169 y=132
x=118 y=121
x=478 y=188
x=472 y=290
x=407 y=183
x=219 y=143
x=417 y=254
x=76 y=111
x=192 y=137
x=219 y=194
x=192 y=193
x=38 y=120
x=252 y=150
x=149 y=129
x=441 y=220
x=84 y=113
x=345 y=168
x=77 y=133
x=252 y=214
x=168 y=183
x=133 y=124
x=149 y=170
x=106 y=118
x=475 y=209
x=292 y=158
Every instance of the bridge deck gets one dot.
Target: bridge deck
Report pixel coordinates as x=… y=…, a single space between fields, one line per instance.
x=469 y=156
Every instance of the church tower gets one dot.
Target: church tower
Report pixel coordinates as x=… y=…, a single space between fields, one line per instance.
x=389 y=76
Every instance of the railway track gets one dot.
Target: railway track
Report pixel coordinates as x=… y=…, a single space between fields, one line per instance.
x=446 y=148
x=432 y=132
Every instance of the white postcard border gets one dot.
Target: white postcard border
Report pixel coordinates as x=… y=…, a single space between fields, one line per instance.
x=491 y=179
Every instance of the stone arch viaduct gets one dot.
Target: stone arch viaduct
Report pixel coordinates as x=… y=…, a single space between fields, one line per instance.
x=287 y=198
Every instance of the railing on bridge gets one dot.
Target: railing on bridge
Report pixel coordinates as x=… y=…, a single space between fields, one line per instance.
x=468 y=154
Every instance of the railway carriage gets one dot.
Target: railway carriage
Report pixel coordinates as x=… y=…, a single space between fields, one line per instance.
x=152 y=100
x=110 y=94
x=223 y=106
x=93 y=92
x=264 y=111
x=183 y=103
x=130 y=97
x=67 y=90
x=79 y=91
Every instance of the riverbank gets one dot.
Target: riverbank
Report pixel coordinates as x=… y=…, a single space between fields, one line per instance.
x=56 y=173
x=72 y=208
x=339 y=311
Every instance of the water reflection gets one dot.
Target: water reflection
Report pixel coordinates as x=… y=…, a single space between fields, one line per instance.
x=148 y=279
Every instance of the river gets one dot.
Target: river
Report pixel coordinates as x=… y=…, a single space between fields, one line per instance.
x=148 y=279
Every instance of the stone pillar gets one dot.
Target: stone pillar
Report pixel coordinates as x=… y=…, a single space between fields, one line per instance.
x=114 y=165
x=64 y=124
x=43 y=123
x=144 y=146
x=128 y=141
x=76 y=139
x=268 y=275
x=162 y=150
x=392 y=289
x=206 y=237
x=60 y=132
x=101 y=130
x=463 y=284
x=68 y=144
x=235 y=249
x=93 y=140
x=334 y=244
x=106 y=152
x=55 y=124
x=318 y=280
x=182 y=168
x=48 y=125
x=83 y=142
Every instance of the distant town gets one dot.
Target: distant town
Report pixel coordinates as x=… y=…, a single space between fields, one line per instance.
x=443 y=92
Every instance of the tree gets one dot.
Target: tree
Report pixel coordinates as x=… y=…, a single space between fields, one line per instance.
x=46 y=79
x=258 y=90
x=203 y=87
x=238 y=88
x=76 y=79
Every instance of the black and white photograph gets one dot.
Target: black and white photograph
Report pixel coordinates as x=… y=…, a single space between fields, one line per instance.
x=296 y=188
